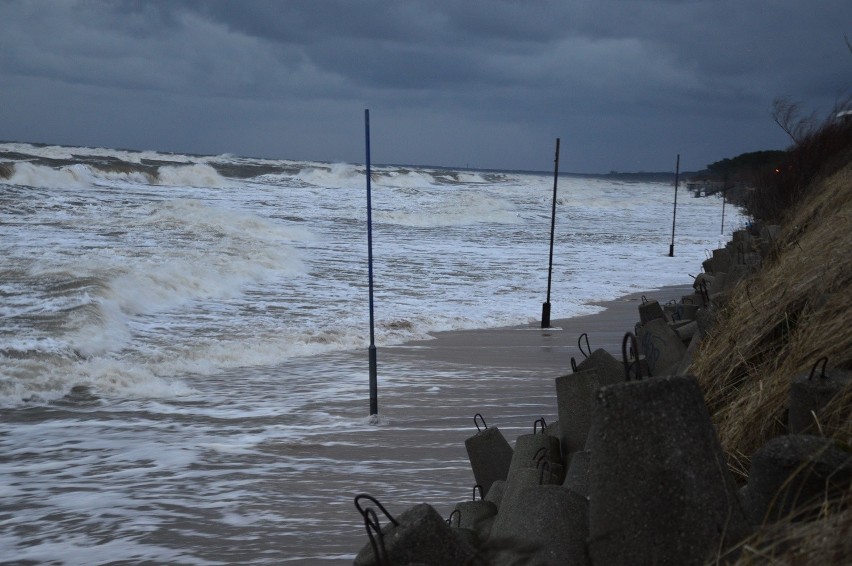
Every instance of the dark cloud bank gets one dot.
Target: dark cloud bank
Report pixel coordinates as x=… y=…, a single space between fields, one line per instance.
x=625 y=84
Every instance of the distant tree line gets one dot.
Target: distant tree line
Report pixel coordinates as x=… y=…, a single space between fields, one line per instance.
x=744 y=166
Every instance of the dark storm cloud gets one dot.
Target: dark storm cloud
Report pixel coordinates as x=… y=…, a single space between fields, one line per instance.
x=626 y=84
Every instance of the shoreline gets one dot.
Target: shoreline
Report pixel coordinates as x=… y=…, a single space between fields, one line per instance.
x=530 y=347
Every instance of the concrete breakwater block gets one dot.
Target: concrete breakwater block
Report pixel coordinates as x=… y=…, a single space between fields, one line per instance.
x=552 y=519
x=810 y=393
x=649 y=310
x=575 y=396
x=529 y=476
x=489 y=453
x=659 y=487
x=529 y=448
x=419 y=535
x=705 y=318
x=791 y=475
x=686 y=330
x=495 y=494
x=662 y=347
x=476 y=516
x=703 y=279
x=577 y=476
x=609 y=369
x=721 y=260
x=686 y=361
x=686 y=311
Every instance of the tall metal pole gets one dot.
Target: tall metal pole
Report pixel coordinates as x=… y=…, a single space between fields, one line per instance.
x=724 y=195
x=545 y=308
x=374 y=398
x=674 y=214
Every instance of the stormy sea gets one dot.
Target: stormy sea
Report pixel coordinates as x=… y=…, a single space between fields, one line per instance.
x=183 y=338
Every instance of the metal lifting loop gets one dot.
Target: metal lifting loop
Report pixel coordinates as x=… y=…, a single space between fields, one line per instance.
x=543 y=425
x=644 y=299
x=824 y=361
x=573 y=364
x=481 y=492
x=580 y=345
x=484 y=426
x=458 y=520
x=629 y=362
x=371 y=523
x=539 y=455
x=363 y=512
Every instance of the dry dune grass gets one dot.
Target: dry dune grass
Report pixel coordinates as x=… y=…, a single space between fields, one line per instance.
x=779 y=322
x=775 y=326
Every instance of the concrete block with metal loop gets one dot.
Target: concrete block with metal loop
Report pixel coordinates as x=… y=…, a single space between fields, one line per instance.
x=810 y=393
x=489 y=453
x=791 y=477
x=476 y=515
x=575 y=396
x=649 y=310
x=662 y=347
x=545 y=515
x=536 y=446
x=419 y=535
x=659 y=488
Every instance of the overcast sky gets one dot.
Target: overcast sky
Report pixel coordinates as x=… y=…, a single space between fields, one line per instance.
x=625 y=84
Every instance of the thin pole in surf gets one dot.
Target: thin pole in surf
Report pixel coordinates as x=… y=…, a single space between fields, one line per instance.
x=724 y=195
x=545 y=308
x=374 y=397
x=674 y=214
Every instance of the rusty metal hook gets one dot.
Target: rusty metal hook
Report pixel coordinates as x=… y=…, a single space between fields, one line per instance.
x=450 y=518
x=371 y=523
x=484 y=426
x=543 y=425
x=580 y=345
x=481 y=492
x=363 y=512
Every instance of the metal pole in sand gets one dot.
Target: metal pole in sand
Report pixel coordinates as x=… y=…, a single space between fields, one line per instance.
x=374 y=400
x=674 y=214
x=545 y=308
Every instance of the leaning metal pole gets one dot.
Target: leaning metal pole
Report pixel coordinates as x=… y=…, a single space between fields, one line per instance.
x=674 y=214
x=374 y=398
x=545 y=308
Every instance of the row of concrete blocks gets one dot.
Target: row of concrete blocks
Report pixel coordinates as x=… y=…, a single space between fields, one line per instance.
x=669 y=335
x=631 y=474
x=648 y=484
